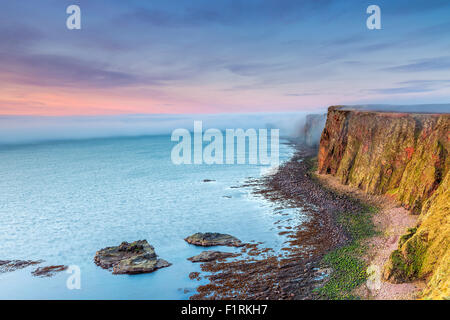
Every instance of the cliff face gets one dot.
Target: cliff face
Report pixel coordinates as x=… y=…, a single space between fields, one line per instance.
x=404 y=156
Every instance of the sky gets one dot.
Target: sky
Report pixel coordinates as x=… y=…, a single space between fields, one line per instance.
x=221 y=56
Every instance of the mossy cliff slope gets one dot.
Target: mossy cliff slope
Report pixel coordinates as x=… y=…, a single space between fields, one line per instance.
x=405 y=156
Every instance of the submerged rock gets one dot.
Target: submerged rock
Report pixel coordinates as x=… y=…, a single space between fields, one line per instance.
x=194 y=276
x=213 y=239
x=130 y=258
x=207 y=256
x=48 y=271
x=13 y=265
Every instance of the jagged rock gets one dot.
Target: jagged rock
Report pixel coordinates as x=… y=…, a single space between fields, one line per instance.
x=207 y=256
x=48 y=271
x=130 y=258
x=13 y=265
x=213 y=239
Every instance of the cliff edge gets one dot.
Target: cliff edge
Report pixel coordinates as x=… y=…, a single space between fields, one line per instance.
x=404 y=156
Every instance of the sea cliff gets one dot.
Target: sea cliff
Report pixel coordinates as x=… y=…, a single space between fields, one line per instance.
x=403 y=156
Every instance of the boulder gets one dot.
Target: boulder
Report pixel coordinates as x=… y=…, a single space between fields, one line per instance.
x=207 y=256
x=213 y=239
x=130 y=258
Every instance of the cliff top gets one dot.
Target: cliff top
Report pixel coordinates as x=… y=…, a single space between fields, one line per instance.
x=418 y=108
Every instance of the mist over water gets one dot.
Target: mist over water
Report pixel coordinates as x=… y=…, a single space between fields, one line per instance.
x=32 y=129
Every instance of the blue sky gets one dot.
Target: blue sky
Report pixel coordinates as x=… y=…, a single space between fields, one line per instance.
x=220 y=56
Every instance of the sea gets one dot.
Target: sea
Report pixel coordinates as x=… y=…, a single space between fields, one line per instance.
x=61 y=201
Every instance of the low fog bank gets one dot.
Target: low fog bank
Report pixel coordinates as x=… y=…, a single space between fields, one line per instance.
x=33 y=129
x=418 y=108
x=312 y=129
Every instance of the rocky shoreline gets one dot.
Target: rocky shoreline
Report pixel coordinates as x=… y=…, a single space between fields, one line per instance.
x=258 y=273
x=299 y=272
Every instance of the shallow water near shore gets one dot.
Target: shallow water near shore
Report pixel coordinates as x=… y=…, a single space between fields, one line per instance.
x=63 y=201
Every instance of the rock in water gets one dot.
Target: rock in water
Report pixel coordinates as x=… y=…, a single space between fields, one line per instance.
x=48 y=271
x=130 y=258
x=207 y=256
x=213 y=239
x=13 y=265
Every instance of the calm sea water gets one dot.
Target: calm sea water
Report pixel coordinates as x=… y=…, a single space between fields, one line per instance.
x=63 y=201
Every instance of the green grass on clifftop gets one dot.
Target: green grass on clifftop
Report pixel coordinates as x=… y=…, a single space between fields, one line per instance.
x=349 y=268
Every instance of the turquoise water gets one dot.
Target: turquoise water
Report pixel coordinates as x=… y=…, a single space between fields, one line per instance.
x=62 y=201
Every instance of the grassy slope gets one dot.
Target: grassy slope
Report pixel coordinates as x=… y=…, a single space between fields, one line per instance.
x=349 y=268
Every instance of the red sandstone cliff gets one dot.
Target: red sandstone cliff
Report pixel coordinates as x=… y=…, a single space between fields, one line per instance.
x=405 y=156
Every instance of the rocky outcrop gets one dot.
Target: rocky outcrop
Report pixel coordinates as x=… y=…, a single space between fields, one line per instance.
x=207 y=256
x=210 y=239
x=404 y=156
x=130 y=258
x=13 y=265
x=48 y=271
